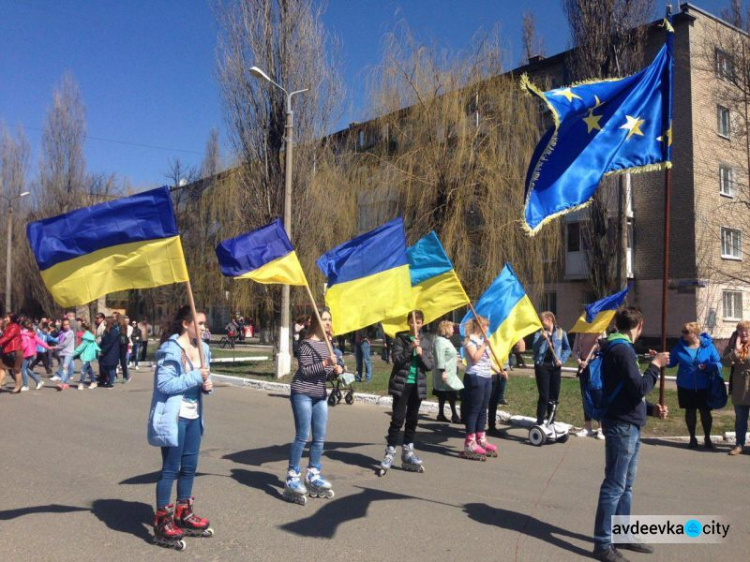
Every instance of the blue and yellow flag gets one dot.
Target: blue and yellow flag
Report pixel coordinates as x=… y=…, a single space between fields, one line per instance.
x=128 y=243
x=510 y=313
x=368 y=278
x=599 y=314
x=600 y=128
x=264 y=255
x=435 y=287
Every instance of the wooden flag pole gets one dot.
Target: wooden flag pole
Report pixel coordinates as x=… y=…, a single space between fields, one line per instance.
x=549 y=344
x=191 y=300
x=486 y=337
x=320 y=322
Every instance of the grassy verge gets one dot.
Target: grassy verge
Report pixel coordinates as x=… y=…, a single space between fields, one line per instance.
x=521 y=394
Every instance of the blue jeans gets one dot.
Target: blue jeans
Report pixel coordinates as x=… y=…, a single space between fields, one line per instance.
x=362 y=353
x=308 y=412
x=65 y=369
x=740 y=422
x=26 y=372
x=623 y=441
x=179 y=463
x=476 y=399
x=136 y=349
x=86 y=368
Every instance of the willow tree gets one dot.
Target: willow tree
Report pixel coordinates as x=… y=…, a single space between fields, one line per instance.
x=450 y=154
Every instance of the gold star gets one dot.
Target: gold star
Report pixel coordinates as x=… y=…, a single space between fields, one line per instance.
x=592 y=121
x=668 y=134
x=633 y=126
x=567 y=93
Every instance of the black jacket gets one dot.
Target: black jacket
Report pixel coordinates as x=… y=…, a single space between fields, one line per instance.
x=110 y=346
x=621 y=364
x=401 y=356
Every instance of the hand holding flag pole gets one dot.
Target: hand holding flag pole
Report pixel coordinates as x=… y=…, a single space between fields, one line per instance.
x=550 y=346
x=320 y=322
x=486 y=338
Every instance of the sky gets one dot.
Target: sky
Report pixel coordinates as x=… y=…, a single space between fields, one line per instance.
x=147 y=75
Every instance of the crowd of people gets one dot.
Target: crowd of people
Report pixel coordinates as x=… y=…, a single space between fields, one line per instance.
x=116 y=342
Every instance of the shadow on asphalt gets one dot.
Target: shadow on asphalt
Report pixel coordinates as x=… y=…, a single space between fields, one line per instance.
x=659 y=442
x=276 y=453
x=9 y=514
x=324 y=523
x=150 y=478
x=133 y=518
x=263 y=481
x=527 y=525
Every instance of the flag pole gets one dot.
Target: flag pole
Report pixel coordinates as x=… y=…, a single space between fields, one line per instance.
x=320 y=321
x=486 y=337
x=191 y=300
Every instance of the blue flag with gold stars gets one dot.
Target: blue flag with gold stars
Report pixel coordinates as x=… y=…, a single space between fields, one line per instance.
x=600 y=128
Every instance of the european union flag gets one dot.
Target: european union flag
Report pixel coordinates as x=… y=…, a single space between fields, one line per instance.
x=601 y=128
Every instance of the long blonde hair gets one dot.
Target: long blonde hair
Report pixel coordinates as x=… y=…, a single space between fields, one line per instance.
x=473 y=326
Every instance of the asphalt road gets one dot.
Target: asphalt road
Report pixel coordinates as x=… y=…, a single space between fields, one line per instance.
x=78 y=484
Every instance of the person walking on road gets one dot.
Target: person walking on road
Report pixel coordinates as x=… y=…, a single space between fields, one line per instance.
x=66 y=344
x=626 y=389
x=29 y=342
x=310 y=409
x=12 y=352
x=87 y=351
x=176 y=425
x=110 y=353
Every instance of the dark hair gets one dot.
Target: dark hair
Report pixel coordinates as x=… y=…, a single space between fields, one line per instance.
x=85 y=326
x=314 y=325
x=627 y=318
x=13 y=318
x=185 y=314
x=28 y=324
x=109 y=323
x=415 y=314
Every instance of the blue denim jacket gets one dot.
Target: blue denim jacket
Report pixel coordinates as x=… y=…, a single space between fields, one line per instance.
x=559 y=344
x=171 y=381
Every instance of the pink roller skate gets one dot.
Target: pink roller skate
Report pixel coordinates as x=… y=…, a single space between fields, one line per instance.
x=486 y=445
x=472 y=449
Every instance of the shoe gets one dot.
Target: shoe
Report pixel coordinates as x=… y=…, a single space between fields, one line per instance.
x=641 y=547
x=693 y=443
x=93 y=385
x=80 y=386
x=610 y=554
x=24 y=389
x=55 y=378
x=441 y=418
x=583 y=433
x=708 y=444
x=455 y=419
x=503 y=402
x=39 y=385
x=737 y=450
x=599 y=435
x=109 y=386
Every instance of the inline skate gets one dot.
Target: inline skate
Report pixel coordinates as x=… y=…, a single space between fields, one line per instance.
x=387 y=461
x=489 y=448
x=166 y=533
x=189 y=523
x=294 y=490
x=317 y=486
x=473 y=450
x=410 y=461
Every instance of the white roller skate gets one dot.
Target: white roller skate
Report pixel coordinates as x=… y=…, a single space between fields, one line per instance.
x=387 y=461
x=317 y=486
x=294 y=490
x=410 y=461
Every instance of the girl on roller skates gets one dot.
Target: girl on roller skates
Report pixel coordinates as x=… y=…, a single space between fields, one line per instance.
x=477 y=389
x=310 y=409
x=176 y=425
x=412 y=358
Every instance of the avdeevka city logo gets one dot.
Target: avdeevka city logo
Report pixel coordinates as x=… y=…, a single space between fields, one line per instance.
x=669 y=529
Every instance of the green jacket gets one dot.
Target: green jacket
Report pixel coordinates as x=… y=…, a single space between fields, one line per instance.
x=88 y=350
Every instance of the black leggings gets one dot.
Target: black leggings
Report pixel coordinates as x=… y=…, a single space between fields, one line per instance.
x=405 y=408
x=548 y=384
x=450 y=396
x=691 y=420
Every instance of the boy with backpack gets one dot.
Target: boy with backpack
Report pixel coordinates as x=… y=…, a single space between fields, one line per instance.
x=622 y=411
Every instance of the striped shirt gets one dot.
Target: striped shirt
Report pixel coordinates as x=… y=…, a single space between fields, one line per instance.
x=310 y=378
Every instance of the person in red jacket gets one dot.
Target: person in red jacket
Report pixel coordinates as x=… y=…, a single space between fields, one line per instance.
x=11 y=355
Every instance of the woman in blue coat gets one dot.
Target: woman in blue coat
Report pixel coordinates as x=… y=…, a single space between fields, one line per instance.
x=697 y=361
x=176 y=425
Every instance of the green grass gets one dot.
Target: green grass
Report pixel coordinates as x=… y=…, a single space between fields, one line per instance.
x=521 y=393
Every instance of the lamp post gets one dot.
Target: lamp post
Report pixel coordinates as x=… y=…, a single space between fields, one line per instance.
x=8 y=260
x=284 y=357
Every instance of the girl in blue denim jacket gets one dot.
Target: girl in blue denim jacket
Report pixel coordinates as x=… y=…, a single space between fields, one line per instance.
x=176 y=425
x=548 y=365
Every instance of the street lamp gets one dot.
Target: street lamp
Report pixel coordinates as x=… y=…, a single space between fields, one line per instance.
x=8 y=260
x=284 y=357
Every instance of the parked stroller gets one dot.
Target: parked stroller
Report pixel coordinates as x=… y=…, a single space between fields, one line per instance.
x=342 y=386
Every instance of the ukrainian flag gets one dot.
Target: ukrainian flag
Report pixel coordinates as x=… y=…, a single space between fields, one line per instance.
x=599 y=314
x=435 y=287
x=264 y=255
x=368 y=278
x=128 y=243
x=510 y=312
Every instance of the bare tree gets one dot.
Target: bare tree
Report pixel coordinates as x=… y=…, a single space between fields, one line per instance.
x=609 y=38
x=532 y=43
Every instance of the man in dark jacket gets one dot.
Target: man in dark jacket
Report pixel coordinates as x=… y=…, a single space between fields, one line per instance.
x=412 y=358
x=621 y=425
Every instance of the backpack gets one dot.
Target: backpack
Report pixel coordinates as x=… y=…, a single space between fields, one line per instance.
x=595 y=402
x=717 y=392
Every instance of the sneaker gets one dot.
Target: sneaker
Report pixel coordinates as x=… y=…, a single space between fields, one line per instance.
x=583 y=433
x=610 y=554
x=55 y=378
x=80 y=386
x=39 y=385
x=93 y=385
x=599 y=435
x=24 y=389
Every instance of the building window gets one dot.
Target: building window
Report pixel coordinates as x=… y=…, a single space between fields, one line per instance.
x=549 y=302
x=732 y=305
x=726 y=180
x=731 y=243
x=574 y=237
x=722 y=116
x=724 y=65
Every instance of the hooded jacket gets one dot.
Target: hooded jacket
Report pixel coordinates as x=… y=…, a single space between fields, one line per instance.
x=89 y=349
x=29 y=342
x=171 y=381
x=401 y=357
x=689 y=374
